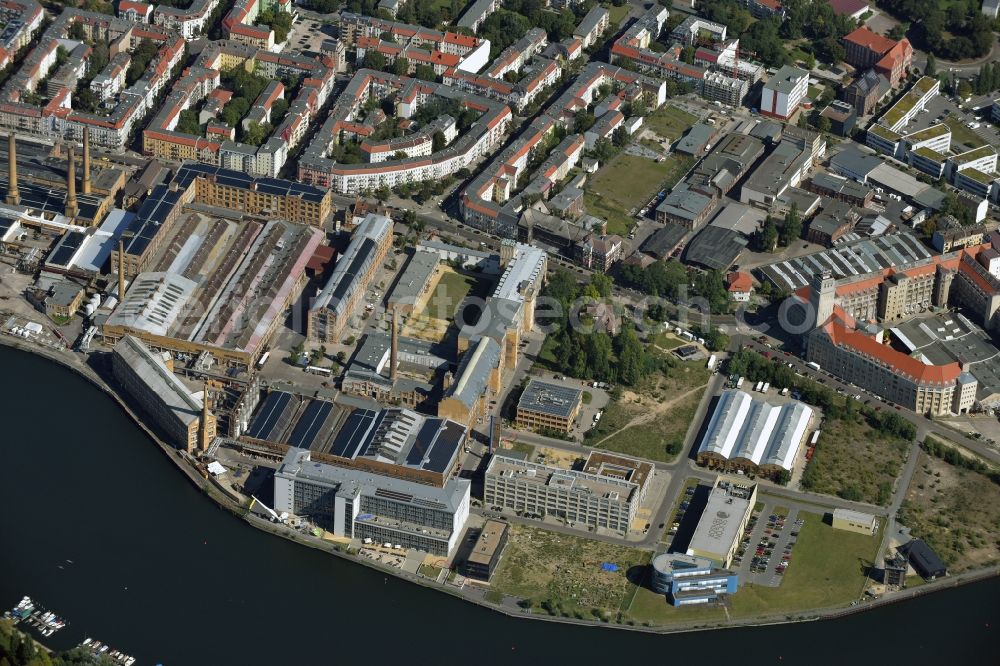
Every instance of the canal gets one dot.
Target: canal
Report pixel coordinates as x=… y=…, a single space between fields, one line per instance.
x=100 y=527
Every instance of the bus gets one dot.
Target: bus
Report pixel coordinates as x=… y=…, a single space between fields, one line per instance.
x=316 y=370
x=263 y=359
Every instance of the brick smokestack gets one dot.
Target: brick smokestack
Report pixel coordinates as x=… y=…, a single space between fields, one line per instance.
x=71 y=208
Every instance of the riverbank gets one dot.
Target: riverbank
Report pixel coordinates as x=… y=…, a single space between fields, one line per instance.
x=206 y=487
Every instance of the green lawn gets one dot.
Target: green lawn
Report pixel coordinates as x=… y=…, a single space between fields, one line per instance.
x=450 y=291
x=429 y=571
x=626 y=183
x=666 y=341
x=660 y=439
x=962 y=134
x=669 y=122
x=616 y=14
x=520 y=447
x=827 y=569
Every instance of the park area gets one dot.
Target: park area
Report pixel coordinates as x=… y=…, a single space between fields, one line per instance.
x=626 y=183
x=652 y=421
x=568 y=575
x=829 y=569
x=956 y=510
x=855 y=462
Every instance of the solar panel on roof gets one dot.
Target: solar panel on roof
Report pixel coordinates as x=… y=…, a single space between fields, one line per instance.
x=269 y=414
x=423 y=442
x=67 y=247
x=352 y=434
x=310 y=424
x=445 y=448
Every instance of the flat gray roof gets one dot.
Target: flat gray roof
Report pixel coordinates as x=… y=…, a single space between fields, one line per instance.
x=719 y=526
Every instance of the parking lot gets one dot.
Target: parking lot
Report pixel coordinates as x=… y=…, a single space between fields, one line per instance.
x=308 y=34
x=768 y=543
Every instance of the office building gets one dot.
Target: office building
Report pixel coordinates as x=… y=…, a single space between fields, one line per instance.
x=783 y=93
x=487 y=551
x=721 y=525
x=887 y=57
x=370 y=507
x=689 y=580
x=606 y=495
x=548 y=407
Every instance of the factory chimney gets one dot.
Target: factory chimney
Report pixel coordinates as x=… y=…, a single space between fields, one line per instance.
x=121 y=270
x=13 y=196
x=71 y=208
x=394 y=348
x=204 y=420
x=86 y=160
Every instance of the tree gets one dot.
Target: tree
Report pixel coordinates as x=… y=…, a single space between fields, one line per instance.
x=383 y=193
x=401 y=66
x=77 y=32
x=187 y=122
x=86 y=100
x=373 y=60
x=583 y=121
x=424 y=72
x=823 y=124
x=964 y=89
x=438 y=141
x=766 y=238
x=791 y=229
x=931 y=68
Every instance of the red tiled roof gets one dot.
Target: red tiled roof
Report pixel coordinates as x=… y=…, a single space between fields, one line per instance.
x=740 y=282
x=847 y=7
x=870 y=40
x=898 y=361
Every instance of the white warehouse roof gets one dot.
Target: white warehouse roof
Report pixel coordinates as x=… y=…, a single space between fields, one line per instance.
x=751 y=429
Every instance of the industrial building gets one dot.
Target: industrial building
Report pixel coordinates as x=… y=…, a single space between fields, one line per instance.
x=216 y=287
x=488 y=550
x=545 y=406
x=359 y=504
x=854 y=521
x=607 y=496
x=721 y=525
x=391 y=442
x=749 y=434
x=148 y=379
x=689 y=580
x=923 y=559
x=340 y=298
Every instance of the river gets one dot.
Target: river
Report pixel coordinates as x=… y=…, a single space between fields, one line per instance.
x=160 y=572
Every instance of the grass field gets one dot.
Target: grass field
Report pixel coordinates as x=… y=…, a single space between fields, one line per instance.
x=827 y=569
x=669 y=122
x=449 y=292
x=855 y=462
x=624 y=184
x=660 y=439
x=956 y=511
x=962 y=134
x=563 y=573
